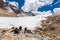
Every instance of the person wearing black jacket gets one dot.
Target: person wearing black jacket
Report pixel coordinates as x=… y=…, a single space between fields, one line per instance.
x=16 y=30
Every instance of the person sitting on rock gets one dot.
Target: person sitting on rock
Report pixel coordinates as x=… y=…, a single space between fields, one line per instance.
x=15 y=30
x=27 y=30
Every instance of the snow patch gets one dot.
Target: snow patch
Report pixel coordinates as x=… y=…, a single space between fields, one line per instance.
x=14 y=3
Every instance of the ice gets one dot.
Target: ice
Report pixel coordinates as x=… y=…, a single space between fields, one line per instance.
x=30 y=22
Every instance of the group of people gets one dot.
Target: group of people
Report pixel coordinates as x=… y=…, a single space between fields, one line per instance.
x=17 y=30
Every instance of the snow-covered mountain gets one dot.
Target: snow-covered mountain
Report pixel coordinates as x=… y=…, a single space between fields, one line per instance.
x=13 y=10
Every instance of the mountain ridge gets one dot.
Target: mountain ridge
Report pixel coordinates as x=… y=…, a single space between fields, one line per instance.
x=12 y=11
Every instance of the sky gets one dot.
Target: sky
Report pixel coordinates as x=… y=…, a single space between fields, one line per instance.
x=50 y=7
x=37 y=5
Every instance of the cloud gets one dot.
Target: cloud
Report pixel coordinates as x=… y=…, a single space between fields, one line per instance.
x=33 y=5
x=56 y=10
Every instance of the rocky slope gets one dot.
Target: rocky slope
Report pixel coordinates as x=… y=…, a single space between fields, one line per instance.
x=6 y=34
x=5 y=13
x=50 y=28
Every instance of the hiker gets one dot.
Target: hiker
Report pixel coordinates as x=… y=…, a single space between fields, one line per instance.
x=20 y=28
x=12 y=29
x=27 y=30
x=16 y=31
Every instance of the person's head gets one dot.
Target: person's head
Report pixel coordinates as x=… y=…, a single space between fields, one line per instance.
x=25 y=28
x=15 y=28
x=20 y=27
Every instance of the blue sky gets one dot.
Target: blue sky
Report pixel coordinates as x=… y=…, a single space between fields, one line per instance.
x=21 y=2
x=44 y=8
x=49 y=7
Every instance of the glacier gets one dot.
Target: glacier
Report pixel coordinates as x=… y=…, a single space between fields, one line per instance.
x=31 y=22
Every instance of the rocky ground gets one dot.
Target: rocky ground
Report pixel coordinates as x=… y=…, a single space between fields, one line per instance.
x=50 y=28
x=6 y=34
